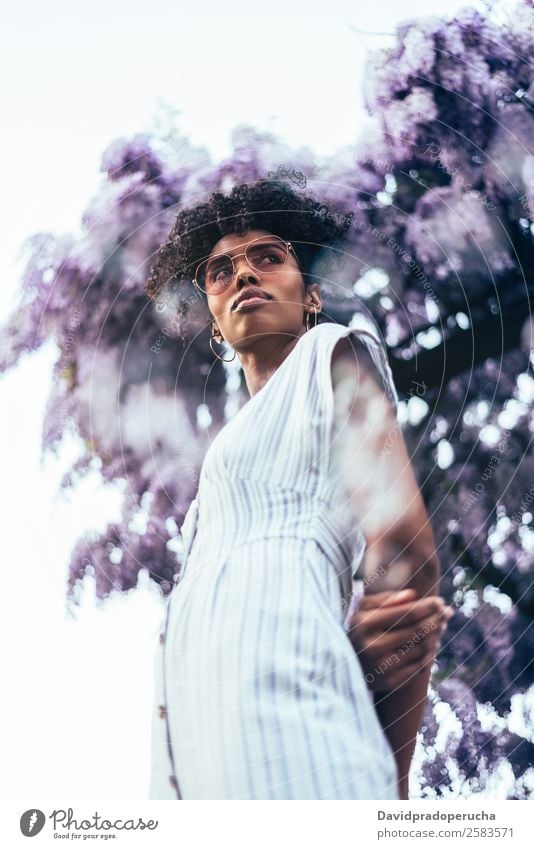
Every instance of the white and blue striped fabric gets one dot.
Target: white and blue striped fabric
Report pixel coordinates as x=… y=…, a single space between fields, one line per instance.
x=259 y=693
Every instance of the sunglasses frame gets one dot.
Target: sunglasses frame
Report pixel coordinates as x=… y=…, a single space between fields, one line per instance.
x=289 y=247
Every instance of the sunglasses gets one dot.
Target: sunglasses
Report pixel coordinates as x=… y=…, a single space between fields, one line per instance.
x=265 y=254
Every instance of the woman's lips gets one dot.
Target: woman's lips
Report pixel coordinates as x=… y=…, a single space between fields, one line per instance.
x=251 y=302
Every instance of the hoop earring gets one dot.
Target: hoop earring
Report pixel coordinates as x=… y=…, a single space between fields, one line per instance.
x=308 y=319
x=217 y=355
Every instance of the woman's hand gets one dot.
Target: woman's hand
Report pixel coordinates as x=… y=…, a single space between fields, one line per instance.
x=395 y=634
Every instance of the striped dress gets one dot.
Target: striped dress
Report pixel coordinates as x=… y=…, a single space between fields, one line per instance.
x=259 y=693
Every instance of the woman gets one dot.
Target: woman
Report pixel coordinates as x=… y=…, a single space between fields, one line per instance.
x=260 y=693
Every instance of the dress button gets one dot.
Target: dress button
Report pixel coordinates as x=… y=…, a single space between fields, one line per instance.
x=161 y=639
x=173 y=782
x=162 y=710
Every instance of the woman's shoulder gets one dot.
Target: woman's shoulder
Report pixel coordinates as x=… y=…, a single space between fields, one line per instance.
x=332 y=340
x=325 y=334
x=330 y=330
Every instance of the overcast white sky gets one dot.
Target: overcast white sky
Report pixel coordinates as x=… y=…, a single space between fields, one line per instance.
x=77 y=695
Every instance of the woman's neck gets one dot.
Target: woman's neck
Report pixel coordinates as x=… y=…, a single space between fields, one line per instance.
x=260 y=363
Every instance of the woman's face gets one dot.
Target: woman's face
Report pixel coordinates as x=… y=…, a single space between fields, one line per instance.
x=283 y=311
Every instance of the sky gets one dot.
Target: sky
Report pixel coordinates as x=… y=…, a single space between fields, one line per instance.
x=79 y=76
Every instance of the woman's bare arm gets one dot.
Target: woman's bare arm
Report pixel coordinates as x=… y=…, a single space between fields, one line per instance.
x=369 y=453
x=382 y=629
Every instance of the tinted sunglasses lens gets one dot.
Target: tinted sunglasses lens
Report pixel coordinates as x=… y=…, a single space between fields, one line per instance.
x=267 y=255
x=214 y=274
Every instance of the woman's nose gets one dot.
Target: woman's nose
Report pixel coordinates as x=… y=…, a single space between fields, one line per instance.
x=243 y=272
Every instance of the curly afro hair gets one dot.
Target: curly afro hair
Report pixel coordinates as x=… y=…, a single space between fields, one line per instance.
x=267 y=204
